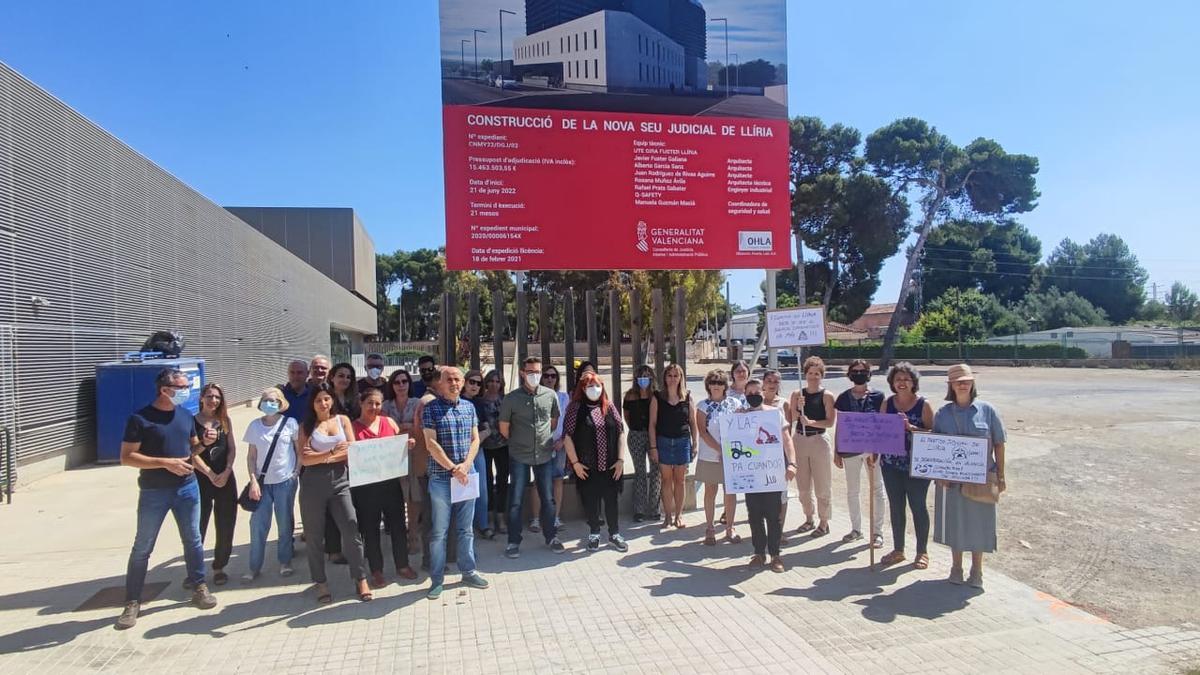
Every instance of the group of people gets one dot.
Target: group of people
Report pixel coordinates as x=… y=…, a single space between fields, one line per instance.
x=532 y=437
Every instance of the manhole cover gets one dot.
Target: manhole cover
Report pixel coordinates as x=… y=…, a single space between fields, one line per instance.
x=114 y=596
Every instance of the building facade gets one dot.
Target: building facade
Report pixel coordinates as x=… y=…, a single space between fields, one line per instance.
x=604 y=51
x=99 y=248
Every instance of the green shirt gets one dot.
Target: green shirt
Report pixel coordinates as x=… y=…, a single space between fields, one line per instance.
x=530 y=431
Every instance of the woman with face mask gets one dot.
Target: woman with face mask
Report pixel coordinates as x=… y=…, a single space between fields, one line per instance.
x=595 y=442
x=766 y=526
x=382 y=501
x=324 y=442
x=861 y=398
x=214 y=474
x=272 y=483
x=646 y=484
x=813 y=412
x=473 y=389
x=494 y=448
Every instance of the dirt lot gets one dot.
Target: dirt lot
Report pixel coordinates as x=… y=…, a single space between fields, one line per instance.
x=1103 y=507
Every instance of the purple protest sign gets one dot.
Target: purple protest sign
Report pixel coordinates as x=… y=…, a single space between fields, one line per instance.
x=869 y=433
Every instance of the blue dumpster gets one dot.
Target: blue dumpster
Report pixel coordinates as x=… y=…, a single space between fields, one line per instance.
x=123 y=387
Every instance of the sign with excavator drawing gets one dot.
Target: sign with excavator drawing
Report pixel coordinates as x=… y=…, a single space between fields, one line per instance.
x=752 y=452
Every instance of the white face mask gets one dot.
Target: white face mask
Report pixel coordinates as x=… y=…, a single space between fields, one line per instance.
x=374 y=373
x=533 y=379
x=593 y=392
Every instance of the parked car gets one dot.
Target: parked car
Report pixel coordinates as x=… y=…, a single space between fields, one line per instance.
x=786 y=357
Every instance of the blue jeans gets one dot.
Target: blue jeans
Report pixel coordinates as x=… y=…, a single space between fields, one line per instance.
x=444 y=512
x=153 y=505
x=280 y=499
x=481 y=503
x=518 y=480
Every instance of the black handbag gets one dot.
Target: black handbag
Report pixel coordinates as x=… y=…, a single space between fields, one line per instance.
x=244 y=499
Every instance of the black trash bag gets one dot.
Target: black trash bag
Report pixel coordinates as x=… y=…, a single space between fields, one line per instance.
x=169 y=342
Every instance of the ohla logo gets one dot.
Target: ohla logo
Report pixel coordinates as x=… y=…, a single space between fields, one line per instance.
x=755 y=241
x=643 y=244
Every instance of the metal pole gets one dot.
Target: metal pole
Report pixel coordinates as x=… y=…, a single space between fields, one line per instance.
x=728 y=324
x=772 y=355
x=462 y=52
x=476 y=40
x=802 y=300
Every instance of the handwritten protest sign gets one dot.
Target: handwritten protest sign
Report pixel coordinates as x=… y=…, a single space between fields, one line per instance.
x=796 y=327
x=378 y=459
x=955 y=458
x=859 y=433
x=752 y=452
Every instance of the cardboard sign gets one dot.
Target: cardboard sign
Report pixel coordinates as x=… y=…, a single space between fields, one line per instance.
x=874 y=433
x=796 y=327
x=378 y=459
x=962 y=459
x=752 y=452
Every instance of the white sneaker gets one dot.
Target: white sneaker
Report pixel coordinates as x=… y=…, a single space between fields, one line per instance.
x=248 y=577
x=286 y=571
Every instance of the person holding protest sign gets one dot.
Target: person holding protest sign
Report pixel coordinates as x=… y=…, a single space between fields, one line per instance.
x=383 y=500
x=325 y=487
x=452 y=436
x=766 y=525
x=962 y=522
x=771 y=381
x=813 y=412
x=273 y=480
x=860 y=398
x=672 y=432
x=647 y=488
x=902 y=488
x=709 y=469
x=594 y=436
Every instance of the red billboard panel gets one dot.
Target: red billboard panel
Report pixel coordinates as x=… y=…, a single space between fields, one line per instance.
x=614 y=137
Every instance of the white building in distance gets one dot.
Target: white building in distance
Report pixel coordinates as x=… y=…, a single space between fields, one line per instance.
x=604 y=51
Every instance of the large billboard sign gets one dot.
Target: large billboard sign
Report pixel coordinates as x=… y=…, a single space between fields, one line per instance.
x=615 y=134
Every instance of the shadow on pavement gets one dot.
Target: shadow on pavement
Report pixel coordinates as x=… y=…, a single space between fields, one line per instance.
x=924 y=599
x=844 y=584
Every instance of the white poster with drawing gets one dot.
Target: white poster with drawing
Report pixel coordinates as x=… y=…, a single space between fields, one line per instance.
x=378 y=459
x=796 y=327
x=962 y=459
x=752 y=452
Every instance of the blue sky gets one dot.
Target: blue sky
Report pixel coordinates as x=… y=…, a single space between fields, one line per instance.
x=337 y=104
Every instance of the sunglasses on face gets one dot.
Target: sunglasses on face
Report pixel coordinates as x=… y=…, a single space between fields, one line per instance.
x=550 y=376
x=475 y=382
x=400 y=382
x=860 y=372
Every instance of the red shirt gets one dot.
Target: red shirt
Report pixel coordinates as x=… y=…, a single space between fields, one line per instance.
x=386 y=428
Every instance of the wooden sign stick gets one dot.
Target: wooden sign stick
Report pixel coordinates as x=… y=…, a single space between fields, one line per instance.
x=871 y=514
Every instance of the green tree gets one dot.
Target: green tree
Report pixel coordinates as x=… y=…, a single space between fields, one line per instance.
x=1052 y=308
x=999 y=258
x=756 y=73
x=1104 y=270
x=979 y=180
x=852 y=220
x=1181 y=302
x=972 y=316
x=1153 y=310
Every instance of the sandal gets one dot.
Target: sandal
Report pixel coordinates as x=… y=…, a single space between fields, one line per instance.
x=324 y=597
x=922 y=561
x=364 y=591
x=820 y=531
x=710 y=537
x=806 y=527
x=892 y=558
x=407 y=573
x=679 y=523
x=732 y=537
x=666 y=523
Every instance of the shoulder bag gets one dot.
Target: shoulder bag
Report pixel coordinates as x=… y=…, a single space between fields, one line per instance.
x=244 y=499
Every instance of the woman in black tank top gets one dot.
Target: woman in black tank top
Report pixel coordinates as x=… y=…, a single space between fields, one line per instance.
x=813 y=412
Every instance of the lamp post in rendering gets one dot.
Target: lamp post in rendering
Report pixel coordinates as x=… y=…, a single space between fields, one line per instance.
x=502 y=13
x=476 y=40
x=462 y=52
x=726 y=22
x=737 y=72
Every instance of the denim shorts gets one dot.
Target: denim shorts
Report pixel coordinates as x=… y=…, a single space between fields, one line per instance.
x=674 y=451
x=560 y=464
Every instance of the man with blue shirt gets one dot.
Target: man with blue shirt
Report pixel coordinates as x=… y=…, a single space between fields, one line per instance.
x=160 y=440
x=296 y=391
x=452 y=438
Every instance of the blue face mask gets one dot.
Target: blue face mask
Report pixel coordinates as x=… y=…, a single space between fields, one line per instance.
x=643 y=382
x=269 y=407
x=181 y=396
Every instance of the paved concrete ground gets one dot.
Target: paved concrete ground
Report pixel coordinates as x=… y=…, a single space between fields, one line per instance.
x=669 y=605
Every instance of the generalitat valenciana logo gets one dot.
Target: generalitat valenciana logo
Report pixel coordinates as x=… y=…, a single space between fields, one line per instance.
x=643 y=244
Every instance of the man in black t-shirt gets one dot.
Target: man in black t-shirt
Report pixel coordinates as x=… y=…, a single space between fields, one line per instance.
x=159 y=440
